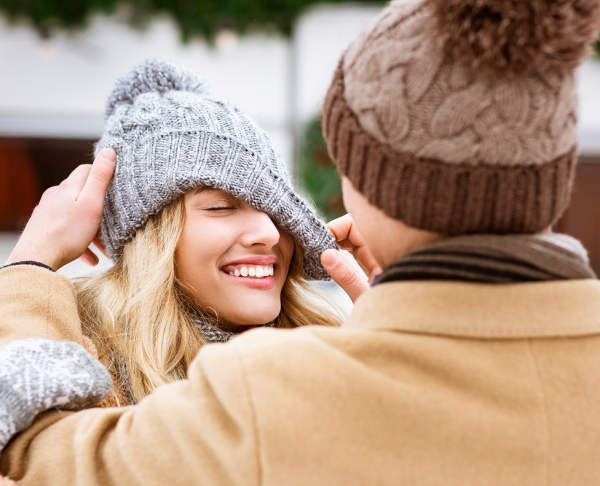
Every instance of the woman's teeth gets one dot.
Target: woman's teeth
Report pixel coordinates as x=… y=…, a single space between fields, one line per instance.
x=255 y=271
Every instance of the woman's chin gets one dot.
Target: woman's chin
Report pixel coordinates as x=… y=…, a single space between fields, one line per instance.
x=245 y=318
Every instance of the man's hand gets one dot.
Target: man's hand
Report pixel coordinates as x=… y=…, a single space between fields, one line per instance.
x=68 y=216
x=339 y=268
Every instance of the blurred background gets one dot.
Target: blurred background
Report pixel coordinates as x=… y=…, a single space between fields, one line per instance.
x=272 y=58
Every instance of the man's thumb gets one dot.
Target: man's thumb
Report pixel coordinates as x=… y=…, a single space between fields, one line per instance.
x=344 y=274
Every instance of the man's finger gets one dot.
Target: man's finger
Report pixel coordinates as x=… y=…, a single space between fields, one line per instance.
x=367 y=262
x=341 y=227
x=344 y=274
x=346 y=233
x=349 y=238
x=101 y=173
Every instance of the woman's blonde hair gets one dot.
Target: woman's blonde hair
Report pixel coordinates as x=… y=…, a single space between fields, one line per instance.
x=140 y=315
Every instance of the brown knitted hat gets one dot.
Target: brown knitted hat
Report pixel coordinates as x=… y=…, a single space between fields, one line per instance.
x=459 y=116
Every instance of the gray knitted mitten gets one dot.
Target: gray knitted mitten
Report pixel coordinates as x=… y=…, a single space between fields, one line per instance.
x=38 y=374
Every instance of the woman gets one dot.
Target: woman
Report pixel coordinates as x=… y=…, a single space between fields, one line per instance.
x=208 y=236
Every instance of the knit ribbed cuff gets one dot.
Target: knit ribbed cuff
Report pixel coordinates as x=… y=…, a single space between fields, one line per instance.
x=446 y=198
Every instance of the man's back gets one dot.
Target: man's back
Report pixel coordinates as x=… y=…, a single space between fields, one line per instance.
x=390 y=399
x=427 y=383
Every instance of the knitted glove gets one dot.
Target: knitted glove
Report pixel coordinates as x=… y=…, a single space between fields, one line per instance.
x=38 y=374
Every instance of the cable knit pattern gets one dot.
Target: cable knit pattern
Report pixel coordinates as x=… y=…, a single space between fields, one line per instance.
x=448 y=146
x=430 y=194
x=409 y=97
x=171 y=135
x=39 y=374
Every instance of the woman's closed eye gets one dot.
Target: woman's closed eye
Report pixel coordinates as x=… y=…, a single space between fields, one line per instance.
x=219 y=207
x=215 y=201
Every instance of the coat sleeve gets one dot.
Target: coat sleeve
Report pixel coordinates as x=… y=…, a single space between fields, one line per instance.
x=195 y=431
x=36 y=302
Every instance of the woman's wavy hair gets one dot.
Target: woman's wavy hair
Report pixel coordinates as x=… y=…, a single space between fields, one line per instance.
x=140 y=316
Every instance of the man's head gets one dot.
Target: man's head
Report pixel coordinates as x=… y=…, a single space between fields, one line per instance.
x=387 y=238
x=458 y=117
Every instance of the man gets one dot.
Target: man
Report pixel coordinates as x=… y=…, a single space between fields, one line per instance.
x=475 y=357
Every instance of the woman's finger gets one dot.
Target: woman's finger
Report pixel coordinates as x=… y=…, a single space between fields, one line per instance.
x=99 y=244
x=89 y=258
x=96 y=184
x=77 y=178
x=344 y=274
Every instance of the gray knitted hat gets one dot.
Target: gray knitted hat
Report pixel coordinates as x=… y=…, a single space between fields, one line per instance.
x=171 y=135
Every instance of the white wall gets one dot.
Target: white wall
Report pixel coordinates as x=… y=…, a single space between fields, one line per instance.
x=57 y=88
x=589 y=115
x=320 y=36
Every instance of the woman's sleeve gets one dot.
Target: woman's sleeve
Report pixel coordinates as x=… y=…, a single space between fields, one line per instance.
x=195 y=431
x=36 y=302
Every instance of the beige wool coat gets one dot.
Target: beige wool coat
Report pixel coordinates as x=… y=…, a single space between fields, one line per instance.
x=428 y=383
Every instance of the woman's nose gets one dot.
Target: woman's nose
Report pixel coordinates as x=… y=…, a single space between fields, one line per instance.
x=260 y=230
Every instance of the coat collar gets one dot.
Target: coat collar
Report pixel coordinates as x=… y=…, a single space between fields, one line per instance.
x=475 y=310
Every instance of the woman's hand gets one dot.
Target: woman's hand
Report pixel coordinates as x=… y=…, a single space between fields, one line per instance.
x=68 y=216
x=39 y=374
x=339 y=268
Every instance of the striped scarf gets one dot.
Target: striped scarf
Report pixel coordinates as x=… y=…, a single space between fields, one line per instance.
x=494 y=259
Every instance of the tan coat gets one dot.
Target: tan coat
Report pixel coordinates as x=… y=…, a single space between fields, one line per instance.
x=428 y=383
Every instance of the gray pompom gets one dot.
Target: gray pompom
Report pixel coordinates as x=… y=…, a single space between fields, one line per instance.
x=154 y=76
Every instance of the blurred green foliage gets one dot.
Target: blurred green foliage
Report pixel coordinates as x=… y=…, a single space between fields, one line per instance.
x=318 y=175
x=196 y=18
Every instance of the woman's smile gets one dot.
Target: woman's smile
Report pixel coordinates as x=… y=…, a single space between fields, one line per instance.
x=261 y=283
x=256 y=272
x=250 y=256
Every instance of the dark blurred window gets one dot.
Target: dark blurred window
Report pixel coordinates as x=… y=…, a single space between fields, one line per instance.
x=582 y=218
x=28 y=166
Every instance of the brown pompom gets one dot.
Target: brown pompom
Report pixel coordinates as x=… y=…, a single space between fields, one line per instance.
x=516 y=37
